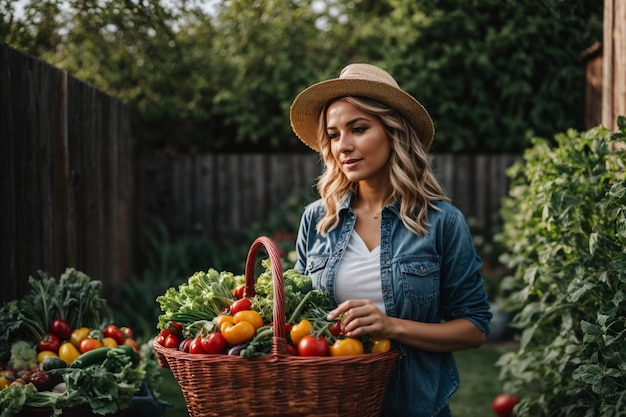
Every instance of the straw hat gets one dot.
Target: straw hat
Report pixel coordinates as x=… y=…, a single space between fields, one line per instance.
x=361 y=80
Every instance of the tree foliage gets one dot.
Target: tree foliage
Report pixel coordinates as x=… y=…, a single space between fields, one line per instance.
x=491 y=72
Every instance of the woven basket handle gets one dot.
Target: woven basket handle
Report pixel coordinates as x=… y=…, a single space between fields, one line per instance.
x=277 y=276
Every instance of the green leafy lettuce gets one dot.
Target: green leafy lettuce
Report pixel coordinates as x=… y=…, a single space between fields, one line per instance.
x=202 y=297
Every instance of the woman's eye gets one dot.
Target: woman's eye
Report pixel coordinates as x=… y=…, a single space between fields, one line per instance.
x=359 y=129
x=332 y=135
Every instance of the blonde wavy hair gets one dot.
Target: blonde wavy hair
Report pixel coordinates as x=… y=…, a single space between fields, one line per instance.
x=412 y=180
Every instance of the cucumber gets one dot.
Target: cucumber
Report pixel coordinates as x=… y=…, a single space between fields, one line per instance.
x=98 y=355
x=91 y=357
x=130 y=351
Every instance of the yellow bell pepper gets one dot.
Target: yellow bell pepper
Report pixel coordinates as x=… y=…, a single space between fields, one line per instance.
x=380 y=345
x=4 y=382
x=78 y=335
x=68 y=353
x=346 y=347
x=299 y=330
x=109 y=342
x=41 y=356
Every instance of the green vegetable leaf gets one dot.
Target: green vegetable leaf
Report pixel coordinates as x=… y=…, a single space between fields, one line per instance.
x=202 y=297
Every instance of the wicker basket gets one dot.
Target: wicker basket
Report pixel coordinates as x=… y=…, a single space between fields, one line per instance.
x=279 y=384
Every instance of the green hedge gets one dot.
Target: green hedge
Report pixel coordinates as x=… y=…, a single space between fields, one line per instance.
x=565 y=234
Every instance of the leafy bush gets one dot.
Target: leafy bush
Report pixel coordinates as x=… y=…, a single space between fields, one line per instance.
x=565 y=234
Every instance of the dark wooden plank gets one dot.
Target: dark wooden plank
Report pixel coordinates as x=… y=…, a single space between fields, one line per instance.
x=30 y=88
x=206 y=191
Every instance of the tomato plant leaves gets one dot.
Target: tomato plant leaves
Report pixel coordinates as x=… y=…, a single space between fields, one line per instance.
x=564 y=234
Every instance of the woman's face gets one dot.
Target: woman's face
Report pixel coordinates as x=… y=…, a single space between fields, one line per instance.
x=358 y=142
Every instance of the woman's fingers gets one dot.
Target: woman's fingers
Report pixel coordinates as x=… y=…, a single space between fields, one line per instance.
x=358 y=317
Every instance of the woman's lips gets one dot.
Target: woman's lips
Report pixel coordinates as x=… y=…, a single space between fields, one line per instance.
x=350 y=163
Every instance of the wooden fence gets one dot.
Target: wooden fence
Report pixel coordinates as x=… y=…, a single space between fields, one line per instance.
x=65 y=177
x=218 y=194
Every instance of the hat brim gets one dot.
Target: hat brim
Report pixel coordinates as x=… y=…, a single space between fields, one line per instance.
x=306 y=108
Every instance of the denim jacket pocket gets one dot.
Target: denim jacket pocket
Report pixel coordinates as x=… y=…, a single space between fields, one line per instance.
x=315 y=268
x=420 y=279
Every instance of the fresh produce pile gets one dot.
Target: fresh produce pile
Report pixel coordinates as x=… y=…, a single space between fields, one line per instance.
x=210 y=314
x=55 y=353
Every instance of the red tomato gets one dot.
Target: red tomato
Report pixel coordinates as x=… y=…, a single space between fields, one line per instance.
x=313 y=346
x=195 y=346
x=239 y=291
x=174 y=327
x=335 y=329
x=503 y=404
x=184 y=345
x=115 y=333
x=160 y=339
x=89 y=344
x=166 y=332
x=240 y=305
x=214 y=343
x=171 y=341
x=292 y=350
x=133 y=344
x=128 y=332
x=61 y=328
x=49 y=342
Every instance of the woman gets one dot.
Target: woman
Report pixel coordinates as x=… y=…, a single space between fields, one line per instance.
x=384 y=239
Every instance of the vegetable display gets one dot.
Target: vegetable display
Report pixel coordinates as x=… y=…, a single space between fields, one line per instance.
x=55 y=353
x=236 y=325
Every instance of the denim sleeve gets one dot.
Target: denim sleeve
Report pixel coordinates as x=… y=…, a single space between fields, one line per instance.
x=304 y=234
x=301 y=243
x=463 y=294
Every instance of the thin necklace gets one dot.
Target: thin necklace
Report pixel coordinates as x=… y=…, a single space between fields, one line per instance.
x=376 y=213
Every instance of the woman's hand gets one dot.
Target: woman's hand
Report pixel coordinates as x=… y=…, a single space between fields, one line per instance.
x=360 y=317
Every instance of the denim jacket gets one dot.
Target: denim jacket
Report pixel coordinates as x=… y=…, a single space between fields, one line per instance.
x=424 y=278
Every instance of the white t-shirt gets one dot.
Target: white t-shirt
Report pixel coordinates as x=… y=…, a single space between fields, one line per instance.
x=358 y=275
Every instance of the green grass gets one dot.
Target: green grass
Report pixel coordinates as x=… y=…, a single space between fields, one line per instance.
x=479 y=384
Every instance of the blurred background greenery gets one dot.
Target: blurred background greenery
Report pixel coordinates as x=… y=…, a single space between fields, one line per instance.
x=222 y=78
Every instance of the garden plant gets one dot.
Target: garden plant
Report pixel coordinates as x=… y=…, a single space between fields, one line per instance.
x=565 y=237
